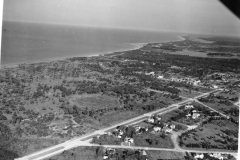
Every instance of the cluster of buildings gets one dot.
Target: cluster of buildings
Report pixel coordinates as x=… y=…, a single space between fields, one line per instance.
x=156 y=126
x=214 y=155
x=189 y=80
x=160 y=126
x=192 y=113
x=193 y=81
x=119 y=133
x=214 y=81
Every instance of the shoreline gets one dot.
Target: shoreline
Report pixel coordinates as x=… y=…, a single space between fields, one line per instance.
x=13 y=65
x=98 y=54
x=137 y=46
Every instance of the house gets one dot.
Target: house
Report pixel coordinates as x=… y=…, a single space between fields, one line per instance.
x=194 y=111
x=137 y=128
x=188 y=115
x=172 y=126
x=157 y=129
x=217 y=155
x=158 y=118
x=200 y=156
x=105 y=156
x=150 y=73
x=195 y=83
x=150 y=120
x=215 y=86
x=160 y=77
x=195 y=115
x=120 y=132
x=175 y=67
x=130 y=140
x=168 y=130
x=188 y=106
x=144 y=153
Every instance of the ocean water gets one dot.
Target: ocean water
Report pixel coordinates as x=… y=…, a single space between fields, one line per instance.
x=36 y=42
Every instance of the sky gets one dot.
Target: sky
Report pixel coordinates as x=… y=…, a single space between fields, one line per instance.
x=193 y=16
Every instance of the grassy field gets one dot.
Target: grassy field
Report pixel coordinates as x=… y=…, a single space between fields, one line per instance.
x=211 y=131
x=107 y=140
x=233 y=95
x=94 y=101
x=97 y=153
x=27 y=146
x=117 y=116
x=167 y=116
x=84 y=153
x=156 y=141
x=156 y=155
x=220 y=106
x=183 y=126
x=143 y=124
x=188 y=94
x=165 y=99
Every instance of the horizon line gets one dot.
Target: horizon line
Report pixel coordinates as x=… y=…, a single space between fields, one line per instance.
x=126 y=28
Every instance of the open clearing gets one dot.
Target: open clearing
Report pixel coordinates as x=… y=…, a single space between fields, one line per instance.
x=95 y=101
x=186 y=93
x=153 y=140
x=156 y=155
x=113 y=117
x=214 y=132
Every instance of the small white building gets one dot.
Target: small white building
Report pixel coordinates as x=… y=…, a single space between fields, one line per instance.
x=120 y=132
x=130 y=140
x=157 y=129
x=168 y=130
x=105 y=157
x=188 y=115
x=137 y=128
x=144 y=153
x=196 y=83
x=216 y=155
x=150 y=120
x=150 y=73
x=188 y=106
x=215 y=86
x=200 y=156
x=160 y=77
x=195 y=115
x=172 y=126
x=158 y=118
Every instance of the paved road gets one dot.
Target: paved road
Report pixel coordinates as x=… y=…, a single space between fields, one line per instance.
x=83 y=140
